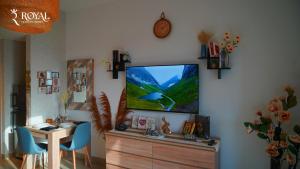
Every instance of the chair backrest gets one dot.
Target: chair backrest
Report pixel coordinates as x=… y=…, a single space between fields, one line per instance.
x=82 y=136
x=26 y=143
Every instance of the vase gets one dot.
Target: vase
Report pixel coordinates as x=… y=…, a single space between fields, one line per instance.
x=204 y=51
x=224 y=59
x=63 y=116
x=275 y=163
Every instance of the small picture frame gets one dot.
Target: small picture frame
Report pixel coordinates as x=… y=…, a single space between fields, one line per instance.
x=49 y=82
x=151 y=123
x=43 y=90
x=41 y=75
x=134 y=122
x=55 y=82
x=76 y=76
x=188 y=127
x=42 y=82
x=55 y=89
x=48 y=75
x=214 y=49
x=202 y=128
x=49 y=90
x=55 y=75
x=142 y=122
x=77 y=88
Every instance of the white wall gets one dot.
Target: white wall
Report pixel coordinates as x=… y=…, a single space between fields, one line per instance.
x=266 y=59
x=1 y=96
x=47 y=52
x=14 y=55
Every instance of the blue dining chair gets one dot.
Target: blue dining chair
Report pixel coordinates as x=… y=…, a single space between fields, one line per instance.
x=81 y=138
x=27 y=145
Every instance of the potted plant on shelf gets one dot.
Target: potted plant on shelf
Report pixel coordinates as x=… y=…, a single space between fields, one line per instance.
x=269 y=127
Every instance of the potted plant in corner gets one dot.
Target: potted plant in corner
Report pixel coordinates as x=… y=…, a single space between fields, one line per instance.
x=269 y=127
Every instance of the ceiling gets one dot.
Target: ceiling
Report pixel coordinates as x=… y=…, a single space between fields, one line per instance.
x=74 y=5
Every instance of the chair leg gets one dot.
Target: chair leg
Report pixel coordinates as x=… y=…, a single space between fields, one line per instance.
x=88 y=156
x=34 y=161
x=24 y=161
x=65 y=154
x=85 y=160
x=60 y=154
x=74 y=159
x=43 y=160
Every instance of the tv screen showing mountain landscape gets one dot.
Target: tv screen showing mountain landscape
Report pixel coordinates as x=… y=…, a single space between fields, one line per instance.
x=172 y=88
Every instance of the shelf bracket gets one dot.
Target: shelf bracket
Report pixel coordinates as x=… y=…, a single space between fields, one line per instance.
x=219 y=73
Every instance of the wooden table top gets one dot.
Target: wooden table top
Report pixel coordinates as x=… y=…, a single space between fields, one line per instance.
x=44 y=134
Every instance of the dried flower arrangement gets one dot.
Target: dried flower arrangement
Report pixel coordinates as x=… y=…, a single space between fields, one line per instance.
x=102 y=120
x=122 y=110
x=64 y=98
x=268 y=126
x=204 y=37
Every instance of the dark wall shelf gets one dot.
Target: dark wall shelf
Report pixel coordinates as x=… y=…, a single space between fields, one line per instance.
x=220 y=72
x=202 y=57
x=213 y=63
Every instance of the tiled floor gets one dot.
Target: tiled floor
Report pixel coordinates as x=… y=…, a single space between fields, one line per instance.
x=13 y=163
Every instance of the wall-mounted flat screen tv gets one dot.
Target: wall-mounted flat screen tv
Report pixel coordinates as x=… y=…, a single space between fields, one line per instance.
x=170 y=88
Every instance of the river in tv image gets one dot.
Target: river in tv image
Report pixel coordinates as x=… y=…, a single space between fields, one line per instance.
x=173 y=88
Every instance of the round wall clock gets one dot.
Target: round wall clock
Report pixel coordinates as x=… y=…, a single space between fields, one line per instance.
x=162 y=27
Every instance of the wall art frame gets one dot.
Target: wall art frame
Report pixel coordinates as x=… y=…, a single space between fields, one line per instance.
x=88 y=64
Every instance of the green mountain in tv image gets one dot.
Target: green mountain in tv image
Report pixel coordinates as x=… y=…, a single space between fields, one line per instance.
x=176 y=94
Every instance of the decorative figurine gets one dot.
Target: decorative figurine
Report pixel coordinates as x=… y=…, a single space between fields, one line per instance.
x=165 y=126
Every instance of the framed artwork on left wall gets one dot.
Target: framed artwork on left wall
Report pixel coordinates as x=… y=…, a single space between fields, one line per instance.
x=48 y=82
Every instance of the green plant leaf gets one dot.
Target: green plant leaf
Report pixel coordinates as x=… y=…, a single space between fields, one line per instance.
x=292 y=149
x=262 y=136
x=247 y=124
x=266 y=121
x=284 y=104
x=293 y=143
x=263 y=128
x=297 y=129
x=291 y=101
x=290 y=92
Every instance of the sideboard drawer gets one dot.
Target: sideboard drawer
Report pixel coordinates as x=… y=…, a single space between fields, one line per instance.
x=108 y=166
x=158 y=164
x=137 y=147
x=127 y=160
x=193 y=157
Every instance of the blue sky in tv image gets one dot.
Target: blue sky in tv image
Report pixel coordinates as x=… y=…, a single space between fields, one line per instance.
x=163 y=73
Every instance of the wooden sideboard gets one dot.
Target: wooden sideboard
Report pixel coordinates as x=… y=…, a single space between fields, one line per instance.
x=137 y=151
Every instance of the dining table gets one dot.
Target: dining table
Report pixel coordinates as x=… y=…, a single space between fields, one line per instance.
x=53 y=137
